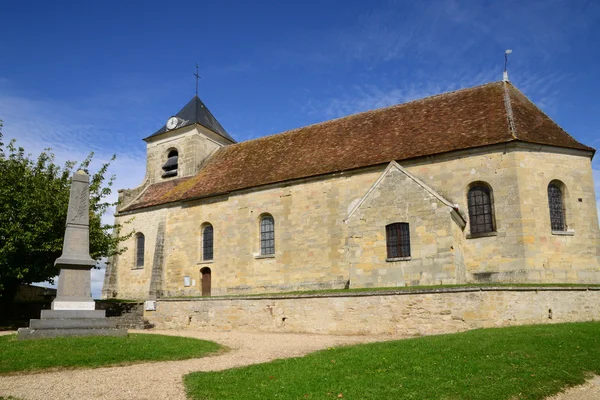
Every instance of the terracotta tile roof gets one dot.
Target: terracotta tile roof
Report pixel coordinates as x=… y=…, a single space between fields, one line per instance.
x=457 y=120
x=156 y=193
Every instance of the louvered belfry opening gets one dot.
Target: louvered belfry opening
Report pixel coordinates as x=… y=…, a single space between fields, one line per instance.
x=398 y=240
x=170 y=167
x=557 y=210
x=480 y=210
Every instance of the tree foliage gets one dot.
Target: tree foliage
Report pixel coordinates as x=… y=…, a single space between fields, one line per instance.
x=34 y=198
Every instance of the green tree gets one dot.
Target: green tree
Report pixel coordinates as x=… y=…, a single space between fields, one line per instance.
x=34 y=197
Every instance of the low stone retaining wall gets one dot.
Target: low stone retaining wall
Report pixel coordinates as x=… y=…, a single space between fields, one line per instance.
x=128 y=315
x=408 y=313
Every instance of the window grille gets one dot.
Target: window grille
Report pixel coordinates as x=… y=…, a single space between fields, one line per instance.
x=557 y=211
x=207 y=243
x=480 y=210
x=139 y=254
x=398 y=240
x=267 y=235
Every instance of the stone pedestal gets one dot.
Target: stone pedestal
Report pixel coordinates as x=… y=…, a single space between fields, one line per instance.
x=73 y=311
x=61 y=323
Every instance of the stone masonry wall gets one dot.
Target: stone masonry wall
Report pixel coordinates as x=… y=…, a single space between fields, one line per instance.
x=398 y=198
x=523 y=248
x=312 y=240
x=133 y=282
x=401 y=313
x=551 y=256
x=495 y=258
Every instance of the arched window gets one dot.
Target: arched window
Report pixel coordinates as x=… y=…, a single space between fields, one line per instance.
x=140 y=246
x=267 y=235
x=397 y=238
x=207 y=242
x=481 y=210
x=170 y=167
x=557 y=207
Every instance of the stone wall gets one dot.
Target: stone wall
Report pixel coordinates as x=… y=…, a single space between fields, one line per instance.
x=401 y=313
x=310 y=238
x=316 y=249
x=130 y=281
x=570 y=256
x=125 y=315
x=398 y=197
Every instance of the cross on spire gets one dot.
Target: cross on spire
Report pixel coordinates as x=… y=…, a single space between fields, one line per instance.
x=197 y=77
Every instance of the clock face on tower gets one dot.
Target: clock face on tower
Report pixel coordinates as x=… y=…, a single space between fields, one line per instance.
x=172 y=123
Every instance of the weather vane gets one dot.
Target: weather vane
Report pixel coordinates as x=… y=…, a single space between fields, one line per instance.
x=197 y=77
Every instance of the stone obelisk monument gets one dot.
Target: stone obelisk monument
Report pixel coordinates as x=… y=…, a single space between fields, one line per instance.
x=73 y=311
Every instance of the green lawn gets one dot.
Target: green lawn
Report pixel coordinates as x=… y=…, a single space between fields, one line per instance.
x=96 y=351
x=528 y=362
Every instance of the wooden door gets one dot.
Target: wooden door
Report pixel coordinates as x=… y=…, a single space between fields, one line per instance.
x=205 y=281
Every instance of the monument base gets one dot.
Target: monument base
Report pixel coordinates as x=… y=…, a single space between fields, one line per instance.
x=73 y=303
x=60 y=323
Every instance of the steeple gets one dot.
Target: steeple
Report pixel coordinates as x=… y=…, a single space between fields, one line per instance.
x=194 y=112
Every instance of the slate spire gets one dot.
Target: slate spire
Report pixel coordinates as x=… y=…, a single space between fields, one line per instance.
x=196 y=112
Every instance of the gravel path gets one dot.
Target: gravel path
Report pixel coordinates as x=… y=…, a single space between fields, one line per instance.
x=588 y=391
x=163 y=380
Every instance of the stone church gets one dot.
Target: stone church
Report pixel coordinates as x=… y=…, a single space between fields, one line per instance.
x=472 y=186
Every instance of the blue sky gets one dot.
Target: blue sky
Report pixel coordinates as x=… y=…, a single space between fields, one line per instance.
x=99 y=76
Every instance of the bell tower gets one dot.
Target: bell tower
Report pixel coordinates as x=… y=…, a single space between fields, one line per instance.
x=181 y=146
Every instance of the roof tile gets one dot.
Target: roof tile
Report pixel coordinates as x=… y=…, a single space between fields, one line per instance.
x=457 y=120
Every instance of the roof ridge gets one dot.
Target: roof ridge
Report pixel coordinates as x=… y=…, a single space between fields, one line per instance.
x=546 y=116
x=509 y=112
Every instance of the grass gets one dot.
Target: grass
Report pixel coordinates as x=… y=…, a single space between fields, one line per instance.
x=96 y=351
x=527 y=362
x=119 y=301
x=404 y=288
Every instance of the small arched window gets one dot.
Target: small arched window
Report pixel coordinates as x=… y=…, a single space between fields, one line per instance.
x=557 y=207
x=397 y=238
x=140 y=245
x=170 y=167
x=267 y=235
x=481 y=210
x=207 y=242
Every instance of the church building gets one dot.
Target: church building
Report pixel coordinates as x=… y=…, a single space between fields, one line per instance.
x=472 y=186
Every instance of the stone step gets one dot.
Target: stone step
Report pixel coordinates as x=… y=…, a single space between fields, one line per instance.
x=68 y=314
x=71 y=323
x=27 y=333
